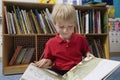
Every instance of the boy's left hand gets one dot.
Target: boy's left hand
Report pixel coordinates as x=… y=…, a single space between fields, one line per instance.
x=89 y=55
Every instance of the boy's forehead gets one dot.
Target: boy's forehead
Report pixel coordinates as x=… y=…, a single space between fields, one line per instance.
x=65 y=21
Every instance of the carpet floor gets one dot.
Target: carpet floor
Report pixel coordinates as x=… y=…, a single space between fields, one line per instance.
x=8 y=77
x=114 y=76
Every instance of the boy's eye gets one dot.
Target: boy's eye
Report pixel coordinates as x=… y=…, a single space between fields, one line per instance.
x=70 y=26
x=61 y=27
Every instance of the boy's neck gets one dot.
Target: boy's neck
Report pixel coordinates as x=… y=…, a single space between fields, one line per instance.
x=66 y=39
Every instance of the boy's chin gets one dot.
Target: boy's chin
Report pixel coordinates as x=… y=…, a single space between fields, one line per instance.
x=66 y=37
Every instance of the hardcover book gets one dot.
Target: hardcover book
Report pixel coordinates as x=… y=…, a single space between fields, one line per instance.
x=88 y=69
x=15 y=55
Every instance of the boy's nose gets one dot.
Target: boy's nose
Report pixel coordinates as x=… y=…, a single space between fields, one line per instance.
x=66 y=29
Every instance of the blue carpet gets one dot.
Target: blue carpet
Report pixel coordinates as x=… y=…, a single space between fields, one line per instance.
x=114 y=76
x=8 y=77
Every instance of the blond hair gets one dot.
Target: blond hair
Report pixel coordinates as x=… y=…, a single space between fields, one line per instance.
x=64 y=12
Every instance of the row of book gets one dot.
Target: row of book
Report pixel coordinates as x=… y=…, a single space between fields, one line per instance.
x=20 y=21
x=96 y=48
x=90 y=21
x=22 y=55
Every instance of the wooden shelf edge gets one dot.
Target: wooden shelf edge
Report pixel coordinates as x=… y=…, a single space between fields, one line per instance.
x=16 y=69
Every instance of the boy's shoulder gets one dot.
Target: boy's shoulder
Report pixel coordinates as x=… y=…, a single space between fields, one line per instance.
x=51 y=40
x=78 y=35
x=58 y=39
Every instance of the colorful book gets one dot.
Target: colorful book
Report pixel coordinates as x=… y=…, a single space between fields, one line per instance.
x=39 y=20
x=15 y=55
x=20 y=56
x=27 y=56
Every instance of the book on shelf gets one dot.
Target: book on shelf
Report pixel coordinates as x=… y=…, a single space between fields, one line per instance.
x=15 y=55
x=96 y=48
x=7 y=18
x=39 y=21
x=85 y=70
x=28 y=55
x=18 y=29
x=22 y=55
x=21 y=21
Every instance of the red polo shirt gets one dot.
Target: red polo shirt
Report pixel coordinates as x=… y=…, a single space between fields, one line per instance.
x=66 y=54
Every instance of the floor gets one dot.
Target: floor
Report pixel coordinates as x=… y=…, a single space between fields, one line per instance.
x=8 y=77
x=115 y=76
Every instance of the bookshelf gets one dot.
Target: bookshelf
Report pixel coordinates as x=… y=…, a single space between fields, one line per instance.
x=38 y=40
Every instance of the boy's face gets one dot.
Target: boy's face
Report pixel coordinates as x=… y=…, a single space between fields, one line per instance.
x=65 y=29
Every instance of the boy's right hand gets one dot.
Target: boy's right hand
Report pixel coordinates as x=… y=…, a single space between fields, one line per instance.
x=44 y=63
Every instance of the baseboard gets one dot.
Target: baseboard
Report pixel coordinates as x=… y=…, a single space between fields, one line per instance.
x=114 y=54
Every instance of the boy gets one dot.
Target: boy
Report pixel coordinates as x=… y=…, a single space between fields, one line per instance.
x=66 y=49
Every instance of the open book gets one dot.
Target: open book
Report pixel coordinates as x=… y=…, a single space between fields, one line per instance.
x=88 y=69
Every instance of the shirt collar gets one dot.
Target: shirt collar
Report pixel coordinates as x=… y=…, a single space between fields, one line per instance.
x=60 y=40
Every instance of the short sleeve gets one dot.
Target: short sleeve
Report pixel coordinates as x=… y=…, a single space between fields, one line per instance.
x=47 y=52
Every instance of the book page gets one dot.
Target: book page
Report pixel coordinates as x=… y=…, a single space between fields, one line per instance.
x=94 y=69
x=35 y=73
x=102 y=69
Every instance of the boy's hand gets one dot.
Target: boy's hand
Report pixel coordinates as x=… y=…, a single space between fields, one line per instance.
x=89 y=55
x=44 y=63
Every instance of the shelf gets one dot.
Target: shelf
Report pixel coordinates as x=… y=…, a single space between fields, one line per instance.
x=16 y=69
x=101 y=34
x=29 y=34
x=38 y=41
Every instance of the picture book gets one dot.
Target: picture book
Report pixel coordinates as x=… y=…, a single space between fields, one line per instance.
x=85 y=70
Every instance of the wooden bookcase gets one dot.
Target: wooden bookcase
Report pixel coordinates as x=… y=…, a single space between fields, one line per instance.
x=11 y=41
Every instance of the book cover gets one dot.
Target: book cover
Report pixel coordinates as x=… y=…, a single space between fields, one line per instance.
x=20 y=56
x=28 y=16
x=7 y=21
x=39 y=20
x=15 y=55
x=27 y=55
x=18 y=29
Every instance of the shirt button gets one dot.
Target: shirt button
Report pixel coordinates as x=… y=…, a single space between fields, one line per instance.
x=67 y=46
